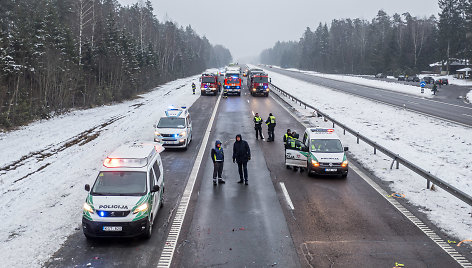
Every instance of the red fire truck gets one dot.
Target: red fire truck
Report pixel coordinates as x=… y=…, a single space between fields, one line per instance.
x=259 y=84
x=232 y=83
x=209 y=84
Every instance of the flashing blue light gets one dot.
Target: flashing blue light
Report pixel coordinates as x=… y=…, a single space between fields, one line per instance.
x=238 y=87
x=206 y=86
x=227 y=86
x=102 y=214
x=265 y=86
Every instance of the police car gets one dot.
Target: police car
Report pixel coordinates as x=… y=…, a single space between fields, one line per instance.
x=174 y=129
x=127 y=193
x=326 y=153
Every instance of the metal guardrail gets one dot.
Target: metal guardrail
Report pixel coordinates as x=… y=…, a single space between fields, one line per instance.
x=395 y=157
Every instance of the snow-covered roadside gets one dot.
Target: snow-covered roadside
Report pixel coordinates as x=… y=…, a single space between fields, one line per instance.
x=409 y=89
x=39 y=211
x=438 y=146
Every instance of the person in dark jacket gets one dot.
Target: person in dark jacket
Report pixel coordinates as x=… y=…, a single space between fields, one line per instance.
x=193 y=88
x=270 y=126
x=258 y=126
x=218 y=158
x=241 y=155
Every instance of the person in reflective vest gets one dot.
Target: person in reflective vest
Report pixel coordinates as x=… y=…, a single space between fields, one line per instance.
x=218 y=158
x=193 y=88
x=271 y=127
x=258 y=126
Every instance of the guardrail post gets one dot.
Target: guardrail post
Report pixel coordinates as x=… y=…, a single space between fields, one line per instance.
x=375 y=150
x=357 y=137
x=344 y=131
x=393 y=161
x=333 y=124
x=428 y=184
x=398 y=164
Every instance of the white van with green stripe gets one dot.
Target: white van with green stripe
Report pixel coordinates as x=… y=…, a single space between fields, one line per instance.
x=127 y=193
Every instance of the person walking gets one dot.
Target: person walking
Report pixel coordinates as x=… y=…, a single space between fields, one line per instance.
x=258 y=126
x=218 y=158
x=271 y=127
x=193 y=88
x=241 y=155
x=434 y=89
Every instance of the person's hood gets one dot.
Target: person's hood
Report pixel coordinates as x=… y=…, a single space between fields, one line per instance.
x=239 y=135
x=217 y=142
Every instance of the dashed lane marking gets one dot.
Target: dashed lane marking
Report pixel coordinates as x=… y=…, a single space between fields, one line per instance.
x=287 y=197
x=169 y=248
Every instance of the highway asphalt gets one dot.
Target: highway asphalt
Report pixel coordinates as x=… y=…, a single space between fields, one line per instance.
x=334 y=222
x=446 y=105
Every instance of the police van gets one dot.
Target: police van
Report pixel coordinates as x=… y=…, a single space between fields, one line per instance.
x=127 y=193
x=320 y=151
x=174 y=129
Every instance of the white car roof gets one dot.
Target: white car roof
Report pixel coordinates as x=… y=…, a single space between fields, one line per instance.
x=176 y=112
x=322 y=134
x=132 y=157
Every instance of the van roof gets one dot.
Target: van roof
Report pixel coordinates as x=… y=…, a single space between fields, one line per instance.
x=322 y=133
x=132 y=157
x=181 y=112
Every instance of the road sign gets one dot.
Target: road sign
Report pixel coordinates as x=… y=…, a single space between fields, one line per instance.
x=422 y=84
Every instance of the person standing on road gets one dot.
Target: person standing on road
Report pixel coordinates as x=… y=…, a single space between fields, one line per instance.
x=241 y=155
x=218 y=158
x=434 y=89
x=271 y=126
x=193 y=88
x=287 y=135
x=258 y=126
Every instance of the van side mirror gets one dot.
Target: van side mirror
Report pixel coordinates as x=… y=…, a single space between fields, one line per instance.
x=346 y=149
x=155 y=188
x=87 y=187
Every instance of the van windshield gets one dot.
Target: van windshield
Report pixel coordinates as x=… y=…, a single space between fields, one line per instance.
x=120 y=183
x=171 y=122
x=326 y=146
x=208 y=79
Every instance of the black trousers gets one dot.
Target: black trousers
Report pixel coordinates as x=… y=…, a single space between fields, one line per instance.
x=259 y=131
x=271 y=133
x=242 y=168
x=217 y=169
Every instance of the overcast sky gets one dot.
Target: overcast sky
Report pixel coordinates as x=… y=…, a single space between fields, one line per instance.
x=247 y=27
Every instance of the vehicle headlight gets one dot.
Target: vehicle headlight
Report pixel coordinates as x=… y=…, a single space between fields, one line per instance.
x=157 y=133
x=315 y=163
x=183 y=134
x=254 y=89
x=344 y=164
x=88 y=208
x=142 y=208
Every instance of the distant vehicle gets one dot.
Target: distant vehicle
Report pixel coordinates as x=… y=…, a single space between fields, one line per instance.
x=245 y=72
x=401 y=78
x=428 y=79
x=442 y=81
x=413 y=78
x=209 y=84
x=174 y=129
x=259 y=84
x=380 y=75
x=127 y=193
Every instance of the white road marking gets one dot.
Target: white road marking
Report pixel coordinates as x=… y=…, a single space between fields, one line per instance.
x=417 y=222
x=169 y=248
x=412 y=102
x=247 y=101
x=287 y=197
x=467 y=115
x=253 y=114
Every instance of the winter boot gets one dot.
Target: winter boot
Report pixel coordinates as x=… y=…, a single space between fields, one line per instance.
x=220 y=180
x=214 y=181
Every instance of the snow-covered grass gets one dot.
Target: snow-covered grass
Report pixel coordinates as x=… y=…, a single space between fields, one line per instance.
x=435 y=145
x=41 y=210
x=393 y=86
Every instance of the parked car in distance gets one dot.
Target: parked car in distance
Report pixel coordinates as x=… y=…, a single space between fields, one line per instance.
x=442 y=81
x=380 y=75
x=401 y=78
x=413 y=78
x=428 y=79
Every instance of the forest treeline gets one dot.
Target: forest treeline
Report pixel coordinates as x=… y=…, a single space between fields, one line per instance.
x=398 y=44
x=61 y=54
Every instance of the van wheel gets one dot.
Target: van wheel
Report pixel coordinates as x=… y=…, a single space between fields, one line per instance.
x=89 y=238
x=344 y=175
x=148 y=231
x=161 y=203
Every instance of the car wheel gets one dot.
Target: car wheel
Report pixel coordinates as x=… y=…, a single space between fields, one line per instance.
x=161 y=203
x=89 y=238
x=344 y=175
x=148 y=231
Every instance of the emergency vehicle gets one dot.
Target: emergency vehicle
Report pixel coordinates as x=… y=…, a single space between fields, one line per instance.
x=127 y=193
x=259 y=84
x=252 y=72
x=174 y=129
x=209 y=84
x=320 y=151
x=232 y=83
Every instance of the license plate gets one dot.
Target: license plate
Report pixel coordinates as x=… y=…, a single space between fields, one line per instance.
x=169 y=142
x=112 y=228
x=331 y=170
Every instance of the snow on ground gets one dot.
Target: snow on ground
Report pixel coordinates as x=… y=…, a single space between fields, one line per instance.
x=61 y=155
x=409 y=89
x=435 y=145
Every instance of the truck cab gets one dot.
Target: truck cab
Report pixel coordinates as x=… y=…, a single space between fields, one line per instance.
x=232 y=83
x=208 y=84
x=259 y=84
